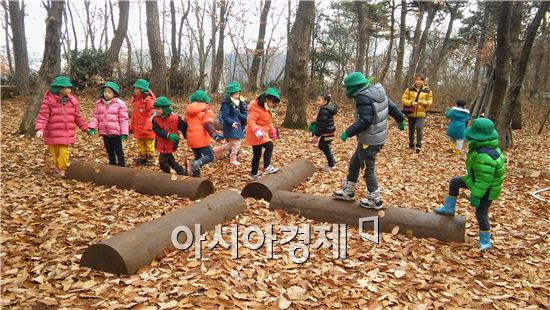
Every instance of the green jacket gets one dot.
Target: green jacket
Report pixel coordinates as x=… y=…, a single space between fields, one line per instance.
x=486 y=168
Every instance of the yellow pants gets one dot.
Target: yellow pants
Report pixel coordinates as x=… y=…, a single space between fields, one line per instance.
x=60 y=155
x=146 y=146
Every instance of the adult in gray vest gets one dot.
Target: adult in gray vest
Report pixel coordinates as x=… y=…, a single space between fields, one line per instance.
x=372 y=107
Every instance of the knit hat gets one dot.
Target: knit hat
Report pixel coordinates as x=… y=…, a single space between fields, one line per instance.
x=199 y=96
x=141 y=84
x=272 y=91
x=481 y=129
x=232 y=87
x=354 y=82
x=111 y=85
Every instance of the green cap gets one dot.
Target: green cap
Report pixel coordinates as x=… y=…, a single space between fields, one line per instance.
x=232 y=87
x=272 y=91
x=142 y=84
x=111 y=85
x=199 y=96
x=61 y=81
x=481 y=129
x=355 y=78
x=162 y=102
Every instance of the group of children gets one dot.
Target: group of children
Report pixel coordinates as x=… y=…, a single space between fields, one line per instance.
x=156 y=127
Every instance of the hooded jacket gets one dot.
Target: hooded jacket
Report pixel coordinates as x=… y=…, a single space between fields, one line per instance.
x=459 y=118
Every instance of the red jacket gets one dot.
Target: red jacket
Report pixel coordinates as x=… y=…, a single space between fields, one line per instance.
x=142 y=111
x=165 y=126
x=58 y=120
x=197 y=116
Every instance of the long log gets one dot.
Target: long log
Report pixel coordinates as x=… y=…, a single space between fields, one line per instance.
x=124 y=253
x=288 y=178
x=142 y=181
x=410 y=221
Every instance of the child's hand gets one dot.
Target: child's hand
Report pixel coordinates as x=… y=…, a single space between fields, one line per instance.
x=402 y=126
x=39 y=134
x=474 y=202
x=415 y=104
x=91 y=132
x=272 y=134
x=123 y=137
x=314 y=139
x=344 y=136
x=173 y=137
x=218 y=137
x=235 y=125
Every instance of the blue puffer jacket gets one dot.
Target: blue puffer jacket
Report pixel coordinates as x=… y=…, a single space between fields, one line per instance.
x=457 y=127
x=231 y=114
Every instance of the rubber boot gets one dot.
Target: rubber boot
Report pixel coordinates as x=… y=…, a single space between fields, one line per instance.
x=484 y=240
x=233 y=159
x=448 y=207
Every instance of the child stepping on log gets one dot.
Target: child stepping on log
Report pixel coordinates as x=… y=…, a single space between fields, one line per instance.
x=372 y=107
x=110 y=118
x=142 y=111
x=58 y=115
x=166 y=126
x=486 y=166
x=323 y=128
x=200 y=128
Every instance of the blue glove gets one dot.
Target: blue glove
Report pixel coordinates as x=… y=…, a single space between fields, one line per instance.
x=173 y=137
x=474 y=202
x=344 y=136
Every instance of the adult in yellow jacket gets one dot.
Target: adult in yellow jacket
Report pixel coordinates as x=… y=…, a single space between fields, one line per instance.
x=416 y=99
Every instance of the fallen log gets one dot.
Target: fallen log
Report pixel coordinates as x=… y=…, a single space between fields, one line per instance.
x=409 y=221
x=142 y=181
x=125 y=252
x=288 y=178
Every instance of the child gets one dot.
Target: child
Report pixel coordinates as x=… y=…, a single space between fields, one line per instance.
x=200 y=127
x=260 y=130
x=56 y=121
x=323 y=128
x=485 y=164
x=459 y=116
x=166 y=126
x=232 y=122
x=110 y=118
x=372 y=107
x=142 y=110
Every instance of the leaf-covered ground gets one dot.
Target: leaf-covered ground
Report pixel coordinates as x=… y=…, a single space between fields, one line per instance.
x=47 y=222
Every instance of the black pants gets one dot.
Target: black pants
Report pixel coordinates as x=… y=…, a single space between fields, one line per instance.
x=257 y=154
x=415 y=124
x=482 y=212
x=113 y=146
x=324 y=145
x=363 y=160
x=167 y=161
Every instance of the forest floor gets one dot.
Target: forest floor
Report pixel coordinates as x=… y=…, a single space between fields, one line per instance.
x=47 y=222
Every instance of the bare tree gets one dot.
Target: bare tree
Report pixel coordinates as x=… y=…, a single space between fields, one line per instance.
x=218 y=60
x=401 y=47
x=20 y=55
x=297 y=71
x=89 y=21
x=480 y=44
x=176 y=41
x=73 y=27
x=361 y=36
x=442 y=54
x=50 y=66
x=120 y=33
x=433 y=8
x=7 y=35
x=159 y=70
x=198 y=35
x=258 y=51
x=390 y=46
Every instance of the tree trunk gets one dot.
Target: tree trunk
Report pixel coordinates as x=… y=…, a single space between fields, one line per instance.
x=214 y=30
x=297 y=71
x=176 y=43
x=73 y=27
x=480 y=44
x=390 y=46
x=129 y=62
x=158 y=70
x=415 y=54
x=505 y=119
x=502 y=63
x=218 y=62
x=7 y=37
x=361 y=37
x=89 y=23
x=258 y=51
x=401 y=47
x=17 y=15
x=422 y=48
x=442 y=54
x=120 y=33
x=49 y=68
x=288 y=55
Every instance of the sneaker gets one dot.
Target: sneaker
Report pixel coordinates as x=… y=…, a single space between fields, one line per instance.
x=347 y=192
x=417 y=149
x=253 y=177
x=270 y=169
x=373 y=201
x=195 y=167
x=61 y=172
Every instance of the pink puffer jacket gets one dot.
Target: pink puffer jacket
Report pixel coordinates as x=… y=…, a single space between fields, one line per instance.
x=112 y=119
x=57 y=120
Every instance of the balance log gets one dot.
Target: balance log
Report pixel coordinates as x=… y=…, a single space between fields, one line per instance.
x=287 y=178
x=142 y=181
x=125 y=252
x=325 y=209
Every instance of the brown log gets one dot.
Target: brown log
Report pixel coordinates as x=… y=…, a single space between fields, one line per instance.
x=418 y=223
x=141 y=181
x=124 y=253
x=288 y=178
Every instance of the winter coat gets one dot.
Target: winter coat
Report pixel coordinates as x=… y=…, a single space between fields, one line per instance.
x=57 y=120
x=110 y=120
x=200 y=128
x=424 y=100
x=142 y=111
x=258 y=118
x=231 y=114
x=486 y=166
x=457 y=127
x=163 y=126
x=324 y=123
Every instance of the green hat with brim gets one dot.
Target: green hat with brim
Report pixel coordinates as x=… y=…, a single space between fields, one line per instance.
x=355 y=78
x=111 y=85
x=232 y=87
x=162 y=102
x=199 y=96
x=142 y=84
x=481 y=129
x=272 y=91
x=61 y=81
